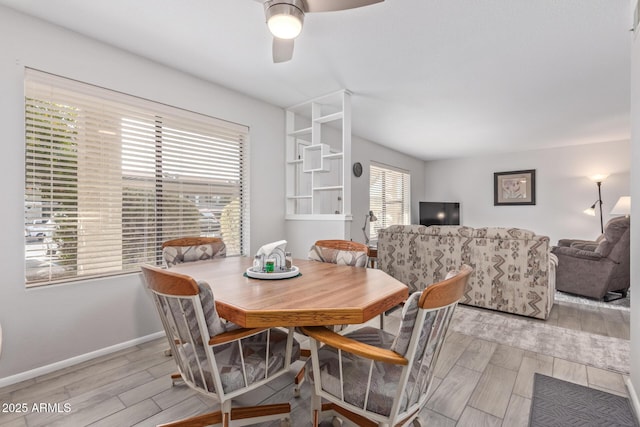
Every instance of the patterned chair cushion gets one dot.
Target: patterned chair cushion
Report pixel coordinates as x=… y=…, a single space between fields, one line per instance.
x=407 y=321
x=214 y=322
x=384 y=380
x=337 y=256
x=254 y=354
x=178 y=254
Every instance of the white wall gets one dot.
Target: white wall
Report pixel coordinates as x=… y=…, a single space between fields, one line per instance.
x=635 y=230
x=563 y=190
x=51 y=324
x=300 y=234
x=365 y=152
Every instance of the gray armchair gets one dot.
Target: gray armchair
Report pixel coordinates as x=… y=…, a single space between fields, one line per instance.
x=595 y=268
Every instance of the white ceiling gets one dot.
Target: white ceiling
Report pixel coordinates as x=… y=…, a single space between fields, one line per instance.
x=431 y=78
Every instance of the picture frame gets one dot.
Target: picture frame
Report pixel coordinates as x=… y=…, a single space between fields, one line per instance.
x=514 y=188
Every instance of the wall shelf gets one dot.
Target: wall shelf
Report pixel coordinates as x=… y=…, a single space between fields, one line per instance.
x=318 y=157
x=329 y=118
x=328 y=188
x=313 y=158
x=303 y=131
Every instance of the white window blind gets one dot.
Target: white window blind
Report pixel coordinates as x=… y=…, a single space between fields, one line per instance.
x=110 y=176
x=389 y=197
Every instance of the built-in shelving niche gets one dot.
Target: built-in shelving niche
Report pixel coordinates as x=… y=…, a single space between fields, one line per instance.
x=318 y=158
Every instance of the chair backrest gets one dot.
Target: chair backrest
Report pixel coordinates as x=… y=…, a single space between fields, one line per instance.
x=389 y=392
x=189 y=317
x=190 y=320
x=616 y=239
x=425 y=320
x=188 y=249
x=616 y=247
x=342 y=252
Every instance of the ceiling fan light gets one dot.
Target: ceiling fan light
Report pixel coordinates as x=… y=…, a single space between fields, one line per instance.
x=285 y=20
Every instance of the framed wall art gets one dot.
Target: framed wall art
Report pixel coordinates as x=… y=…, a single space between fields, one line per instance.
x=514 y=188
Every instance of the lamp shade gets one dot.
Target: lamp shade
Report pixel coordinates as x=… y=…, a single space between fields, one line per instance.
x=622 y=206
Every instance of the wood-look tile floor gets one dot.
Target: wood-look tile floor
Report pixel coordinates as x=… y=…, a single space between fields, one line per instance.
x=477 y=383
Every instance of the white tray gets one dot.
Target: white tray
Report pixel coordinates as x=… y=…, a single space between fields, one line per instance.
x=273 y=276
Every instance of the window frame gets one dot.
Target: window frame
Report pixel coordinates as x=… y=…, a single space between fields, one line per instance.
x=381 y=210
x=219 y=172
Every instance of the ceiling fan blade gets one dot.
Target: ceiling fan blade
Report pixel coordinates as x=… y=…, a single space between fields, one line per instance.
x=282 y=50
x=333 y=5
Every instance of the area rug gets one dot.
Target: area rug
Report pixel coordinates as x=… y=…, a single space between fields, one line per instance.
x=558 y=403
x=594 y=350
x=618 y=304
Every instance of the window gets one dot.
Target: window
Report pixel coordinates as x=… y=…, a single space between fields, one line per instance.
x=109 y=177
x=389 y=197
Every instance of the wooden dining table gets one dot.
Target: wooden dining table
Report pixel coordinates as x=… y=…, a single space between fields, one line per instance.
x=323 y=293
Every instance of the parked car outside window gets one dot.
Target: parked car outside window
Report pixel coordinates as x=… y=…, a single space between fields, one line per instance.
x=41 y=228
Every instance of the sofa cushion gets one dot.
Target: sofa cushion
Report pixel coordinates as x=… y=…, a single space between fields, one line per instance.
x=503 y=233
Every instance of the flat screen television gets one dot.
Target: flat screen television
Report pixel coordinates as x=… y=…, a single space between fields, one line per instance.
x=439 y=213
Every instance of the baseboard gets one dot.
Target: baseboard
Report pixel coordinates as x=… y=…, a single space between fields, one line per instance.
x=633 y=397
x=27 y=375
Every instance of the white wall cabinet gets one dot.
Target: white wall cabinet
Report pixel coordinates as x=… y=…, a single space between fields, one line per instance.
x=318 y=158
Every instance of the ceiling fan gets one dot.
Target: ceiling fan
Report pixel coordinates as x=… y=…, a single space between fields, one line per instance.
x=285 y=18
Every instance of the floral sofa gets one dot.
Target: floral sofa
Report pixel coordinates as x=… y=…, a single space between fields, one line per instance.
x=514 y=270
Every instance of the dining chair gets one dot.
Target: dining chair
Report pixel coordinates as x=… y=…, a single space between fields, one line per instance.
x=220 y=360
x=187 y=249
x=341 y=252
x=370 y=377
x=190 y=249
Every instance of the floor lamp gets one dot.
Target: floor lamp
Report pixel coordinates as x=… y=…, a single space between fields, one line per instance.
x=592 y=210
x=371 y=218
